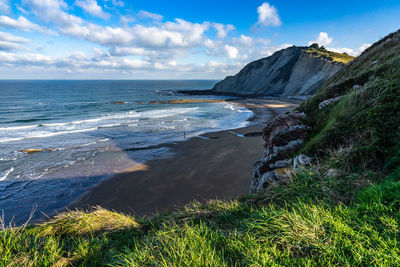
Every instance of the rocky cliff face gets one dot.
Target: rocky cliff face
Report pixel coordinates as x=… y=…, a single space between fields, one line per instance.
x=289 y=72
x=283 y=137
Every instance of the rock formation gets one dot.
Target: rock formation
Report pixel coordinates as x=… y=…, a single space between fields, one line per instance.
x=35 y=150
x=295 y=71
x=283 y=137
x=328 y=102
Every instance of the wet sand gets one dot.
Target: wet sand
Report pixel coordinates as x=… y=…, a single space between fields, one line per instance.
x=215 y=165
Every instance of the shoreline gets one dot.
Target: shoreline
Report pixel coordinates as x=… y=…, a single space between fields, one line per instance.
x=212 y=165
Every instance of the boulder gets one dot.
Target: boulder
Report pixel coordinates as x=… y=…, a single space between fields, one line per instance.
x=301 y=160
x=328 y=102
x=283 y=136
x=332 y=173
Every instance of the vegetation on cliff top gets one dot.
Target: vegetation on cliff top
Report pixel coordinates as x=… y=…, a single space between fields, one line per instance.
x=351 y=217
x=321 y=52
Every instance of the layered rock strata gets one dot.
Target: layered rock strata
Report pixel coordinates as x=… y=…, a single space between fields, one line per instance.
x=283 y=136
x=288 y=72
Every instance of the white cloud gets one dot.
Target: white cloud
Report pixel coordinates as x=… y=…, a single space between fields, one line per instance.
x=92 y=7
x=126 y=19
x=148 y=15
x=22 y=24
x=118 y=3
x=209 y=43
x=52 y=11
x=268 y=51
x=98 y=34
x=79 y=64
x=9 y=46
x=192 y=32
x=353 y=52
x=10 y=42
x=362 y=48
x=4 y=6
x=223 y=30
x=231 y=51
x=23 y=59
x=142 y=47
x=157 y=37
x=79 y=61
x=178 y=33
x=134 y=63
x=268 y=15
x=129 y=51
x=8 y=37
x=323 y=39
x=244 y=40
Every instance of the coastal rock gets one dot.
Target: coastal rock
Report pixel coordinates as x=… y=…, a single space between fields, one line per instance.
x=34 y=150
x=293 y=71
x=332 y=173
x=328 y=102
x=301 y=160
x=283 y=136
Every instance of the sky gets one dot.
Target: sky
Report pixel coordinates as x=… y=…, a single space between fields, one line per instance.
x=173 y=39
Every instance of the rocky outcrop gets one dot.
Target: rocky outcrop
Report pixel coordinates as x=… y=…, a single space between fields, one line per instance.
x=34 y=150
x=288 y=72
x=283 y=136
x=328 y=102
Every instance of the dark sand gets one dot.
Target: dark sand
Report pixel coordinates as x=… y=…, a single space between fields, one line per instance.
x=199 y=169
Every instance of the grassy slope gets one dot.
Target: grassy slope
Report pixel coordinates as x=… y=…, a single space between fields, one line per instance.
x=366 y=120
x=312 y=218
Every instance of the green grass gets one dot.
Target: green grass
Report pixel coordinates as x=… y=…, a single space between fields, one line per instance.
x=301 y=222
x=329 y=55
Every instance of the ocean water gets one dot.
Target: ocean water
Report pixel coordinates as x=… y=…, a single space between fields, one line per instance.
x=89 y=137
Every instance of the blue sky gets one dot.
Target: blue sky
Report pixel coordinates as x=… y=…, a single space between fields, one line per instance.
x=158 y=39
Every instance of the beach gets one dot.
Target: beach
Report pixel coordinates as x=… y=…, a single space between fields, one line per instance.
x=216 y=165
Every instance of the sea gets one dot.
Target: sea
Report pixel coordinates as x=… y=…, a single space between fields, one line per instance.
x=89 y=131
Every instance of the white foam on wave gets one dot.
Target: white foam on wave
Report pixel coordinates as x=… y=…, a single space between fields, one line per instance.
x=43 y=135
x=229 y=106
x=161 y=113
x=93 y=143
x=16 y=128
x=2 y=178
x=8 y=159
x=71 y=125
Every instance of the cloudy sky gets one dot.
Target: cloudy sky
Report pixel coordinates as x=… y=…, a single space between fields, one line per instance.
x=171 y=39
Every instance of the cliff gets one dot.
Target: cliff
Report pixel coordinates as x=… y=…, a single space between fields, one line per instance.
x=295 y=71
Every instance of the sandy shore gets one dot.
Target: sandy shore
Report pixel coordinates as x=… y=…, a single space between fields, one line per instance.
x=218 y=165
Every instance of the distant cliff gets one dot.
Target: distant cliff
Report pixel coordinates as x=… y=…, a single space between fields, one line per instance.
x=295 y=71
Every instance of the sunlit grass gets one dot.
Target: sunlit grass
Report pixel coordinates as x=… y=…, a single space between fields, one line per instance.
x=295 y=223
x=330 y=55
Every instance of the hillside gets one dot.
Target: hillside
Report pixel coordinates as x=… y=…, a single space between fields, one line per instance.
x=295 y=71
x=343 y=210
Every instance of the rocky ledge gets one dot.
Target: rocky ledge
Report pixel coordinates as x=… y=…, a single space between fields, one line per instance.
x=283 y=136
